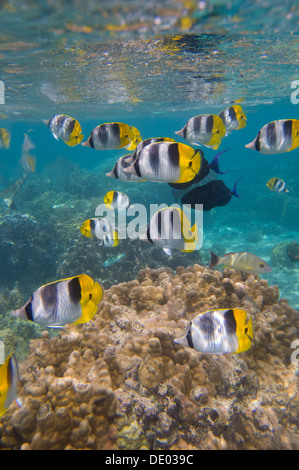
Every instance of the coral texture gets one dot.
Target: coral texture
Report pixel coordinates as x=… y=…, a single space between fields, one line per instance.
x=120 y=382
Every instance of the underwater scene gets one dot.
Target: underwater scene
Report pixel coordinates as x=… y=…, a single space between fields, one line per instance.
x=149 y=215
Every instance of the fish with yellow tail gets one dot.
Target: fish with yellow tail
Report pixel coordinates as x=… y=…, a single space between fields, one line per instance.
x=205 y=129
x=243 y=261
x=65 y=128
x=116 y=200
x=172 y=162
x=277 y=185
x=219 y=331
x=112 y=136
x=4 y=138
x=169 y=229
x=234 y=118
x=101 y=228
x=72 y=300
x=9 y=376
x=277 y=137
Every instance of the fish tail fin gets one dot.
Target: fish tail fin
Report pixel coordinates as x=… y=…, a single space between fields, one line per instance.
x=214 y=165
x=46 y=121
x=234 y=190
x=214 y=261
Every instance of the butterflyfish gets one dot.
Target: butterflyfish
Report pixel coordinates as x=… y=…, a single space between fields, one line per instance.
x=277 y=185
x=212 y=194
x=113 y=135
x=100 y=228
x=219 y=331
x=8 y=194
x=171 y=162
x=4 y=138
x=118 y=172
x=116 y=200
x=277 y=137
x=65 y=128
x=72 y=300
x=205 y=129
x=234 y=118
x=28 y=161
x=169 y=229
x=9 y=376
x=243 y=261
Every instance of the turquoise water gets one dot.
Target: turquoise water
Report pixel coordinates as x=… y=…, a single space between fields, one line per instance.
x=152 y=65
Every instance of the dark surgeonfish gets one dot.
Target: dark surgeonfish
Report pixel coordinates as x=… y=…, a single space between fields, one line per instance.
x=8 y=194
x=210 y=195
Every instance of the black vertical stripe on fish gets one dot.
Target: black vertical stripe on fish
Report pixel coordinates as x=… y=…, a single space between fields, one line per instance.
x=71 y=126
x=74 y=288
x=206 y=325
x=174 y=155
x=115 y=130
x=189 y=338
x=287 y=129
x=196 y=124
x=209 y=124
x=114 y=196
x=137 y=167
x=149 y=235
x=232 y=113
x=159 y=223
x=257 y=142
x=115 y=171
x=90 y=140
x=230 y=321
x=92 y=224
x=154 y=160
x=28 y=310
x=185 y=132
x=60 y=121
x=102 y=134
x=271 y=134
x=280 y=185
x=49 y=296
x=10 y=370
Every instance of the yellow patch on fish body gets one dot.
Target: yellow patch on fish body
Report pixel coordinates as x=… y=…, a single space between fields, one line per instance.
x=65 y=128
x=204 y=129
x=70 y=300
x=8 y=383
x=219 y=331
x=4 y=138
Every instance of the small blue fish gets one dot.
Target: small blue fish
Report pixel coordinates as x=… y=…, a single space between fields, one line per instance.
x=113 y=259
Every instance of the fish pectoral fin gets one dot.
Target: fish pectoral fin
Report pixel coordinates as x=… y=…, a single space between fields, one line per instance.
x=167 y=251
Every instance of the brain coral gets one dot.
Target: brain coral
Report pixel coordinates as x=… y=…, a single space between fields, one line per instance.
x=120 y=382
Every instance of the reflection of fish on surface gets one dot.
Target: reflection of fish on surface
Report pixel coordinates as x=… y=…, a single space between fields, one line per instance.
x=170 y=228
x=234 y=118
x=277 y=137
x=114 y=259
x=72 y=300
x=4 y=138
x=9 y=376
x=8 y=194
x=28 y=161
x=219 y=331
x=65 y=128
x=243 y=261
x=277 y=185
x=205 y=129
x=172 y=162
x=214 y=193
x=101 y=228
x=112 y=136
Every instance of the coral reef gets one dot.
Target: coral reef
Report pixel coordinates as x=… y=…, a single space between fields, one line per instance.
x=120 y=382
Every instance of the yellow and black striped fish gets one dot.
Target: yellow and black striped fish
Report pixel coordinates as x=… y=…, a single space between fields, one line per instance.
x=277 y=185
x=205 y=129
x=101 y=228
x=9 y=376
x=234 y=118
x=219 y=331
x=277 y=137
x=72 y=300
x=112 y=136
x=65 y=128
x=4 y=138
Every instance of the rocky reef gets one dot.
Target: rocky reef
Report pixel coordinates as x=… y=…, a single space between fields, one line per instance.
x=120 y=382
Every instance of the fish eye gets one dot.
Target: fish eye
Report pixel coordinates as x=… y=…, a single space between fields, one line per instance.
x=261 y=265
x=190 y=164
x=246 y=330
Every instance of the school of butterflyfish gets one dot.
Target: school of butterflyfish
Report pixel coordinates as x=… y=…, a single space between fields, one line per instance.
x=75 y=300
